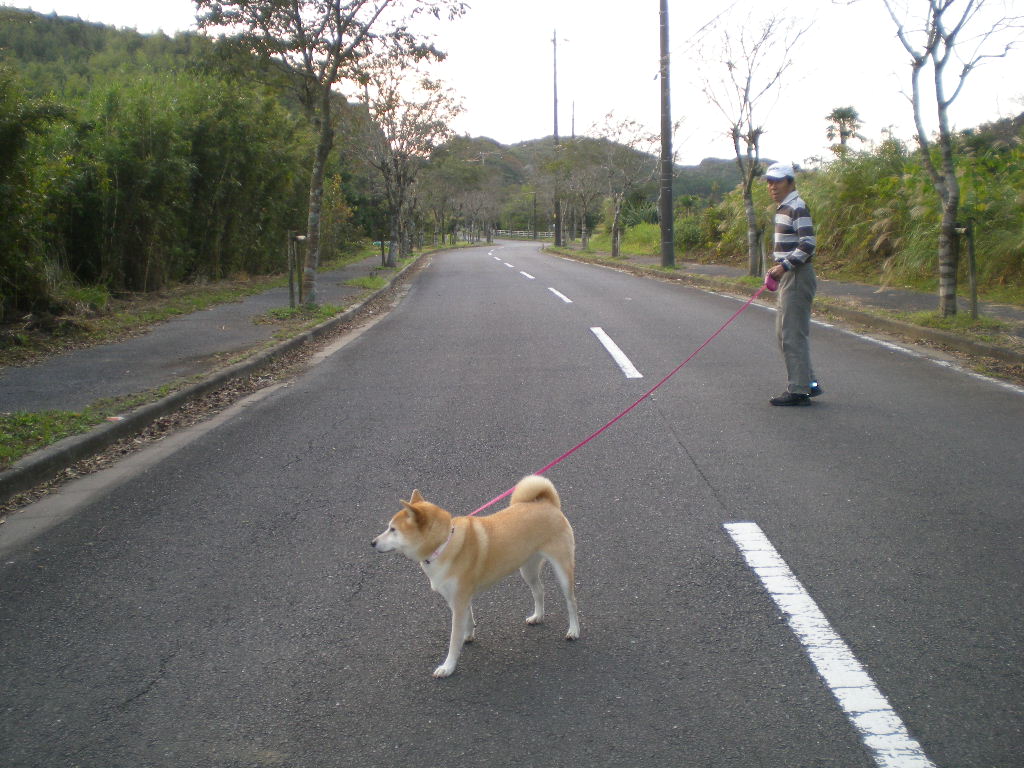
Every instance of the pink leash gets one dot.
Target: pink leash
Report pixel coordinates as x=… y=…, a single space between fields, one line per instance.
x=651 y=391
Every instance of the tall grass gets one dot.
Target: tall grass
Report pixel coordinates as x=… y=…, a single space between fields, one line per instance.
x=876 y=217
x=643 y=239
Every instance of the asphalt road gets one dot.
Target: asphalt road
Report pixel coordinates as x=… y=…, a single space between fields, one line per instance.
x=215 y=600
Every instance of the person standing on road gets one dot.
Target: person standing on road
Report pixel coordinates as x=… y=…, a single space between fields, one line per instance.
x=794 y=249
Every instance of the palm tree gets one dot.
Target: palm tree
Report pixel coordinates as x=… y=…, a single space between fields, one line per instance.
x=843 y=124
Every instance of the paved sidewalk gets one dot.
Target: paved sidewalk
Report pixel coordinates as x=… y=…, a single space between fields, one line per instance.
x=180 y=348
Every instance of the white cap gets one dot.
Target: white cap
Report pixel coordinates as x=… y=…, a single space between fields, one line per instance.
x=778 y=171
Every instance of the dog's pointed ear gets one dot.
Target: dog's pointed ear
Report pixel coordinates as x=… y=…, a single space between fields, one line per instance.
x=411 y=511
x=416 y=496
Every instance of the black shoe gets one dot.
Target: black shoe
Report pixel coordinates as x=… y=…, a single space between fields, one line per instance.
x=816 y=390
x=791 y=398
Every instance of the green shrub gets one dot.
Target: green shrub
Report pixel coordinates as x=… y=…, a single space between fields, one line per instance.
x=687 y=233
x=642 y=239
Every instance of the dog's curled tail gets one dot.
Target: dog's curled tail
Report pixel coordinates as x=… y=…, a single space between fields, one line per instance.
x=535 y=488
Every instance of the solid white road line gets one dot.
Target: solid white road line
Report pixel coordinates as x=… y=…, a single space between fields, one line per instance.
x=617 y=354
x=562 y=296
x=881 y=729
x=904 y=350
x=943 y=363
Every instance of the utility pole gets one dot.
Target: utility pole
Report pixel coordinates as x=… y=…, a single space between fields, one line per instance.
x=668 y=256
x=558 y=202
x=535 y=214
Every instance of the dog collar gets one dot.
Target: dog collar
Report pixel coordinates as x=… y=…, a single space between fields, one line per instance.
x=437 y=552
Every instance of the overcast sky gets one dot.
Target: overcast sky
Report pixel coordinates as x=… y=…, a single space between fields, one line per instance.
x=501 y=64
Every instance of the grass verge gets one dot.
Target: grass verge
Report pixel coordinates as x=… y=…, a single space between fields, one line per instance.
x=22 y=433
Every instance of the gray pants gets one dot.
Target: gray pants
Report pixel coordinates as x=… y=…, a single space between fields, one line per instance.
x=793 y=326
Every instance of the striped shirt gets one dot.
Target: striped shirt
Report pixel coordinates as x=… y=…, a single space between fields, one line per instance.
x=794 y=232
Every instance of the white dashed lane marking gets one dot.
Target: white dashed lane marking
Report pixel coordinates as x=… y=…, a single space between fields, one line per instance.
x=617 y=354
x=620 y=358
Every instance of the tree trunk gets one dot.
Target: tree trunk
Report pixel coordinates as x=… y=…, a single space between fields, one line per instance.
x=316 y=198
x=949 y=253
x=408 y=234
x=944 y=181
x=753 y=236
x=396 y=237
x=616 y=234
x=748 y=163
x=949 y=193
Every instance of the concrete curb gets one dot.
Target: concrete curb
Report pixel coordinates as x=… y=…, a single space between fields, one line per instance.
x=48 y=462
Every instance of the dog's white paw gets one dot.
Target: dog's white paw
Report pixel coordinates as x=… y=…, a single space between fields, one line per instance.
x=535 y=619
x=444 y=670
x=573 y=634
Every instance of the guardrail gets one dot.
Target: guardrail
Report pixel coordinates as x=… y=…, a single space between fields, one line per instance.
x=515 y=234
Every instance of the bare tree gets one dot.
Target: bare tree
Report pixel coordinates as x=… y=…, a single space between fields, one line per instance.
x=744 y=69
x=480 y=206
x=410 y=113
x=585 y=184
x=951 y=38
x=626 y=161
x=442 y=181
x=321 y=42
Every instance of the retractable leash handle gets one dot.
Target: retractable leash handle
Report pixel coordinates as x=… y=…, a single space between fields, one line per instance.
x=648 y=393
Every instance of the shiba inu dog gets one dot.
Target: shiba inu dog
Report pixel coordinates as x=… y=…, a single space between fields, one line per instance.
x=464 y=555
